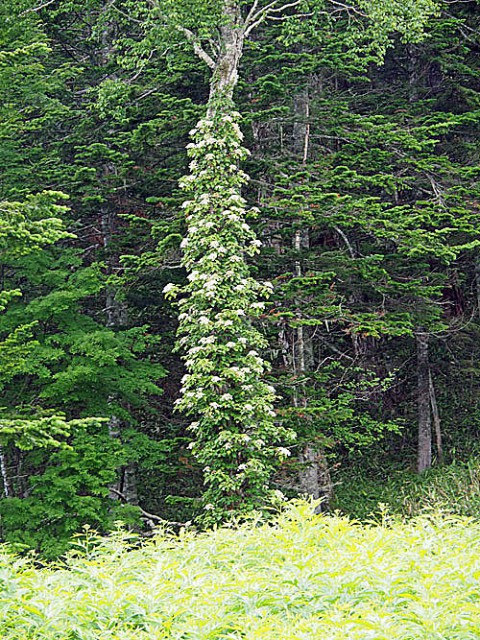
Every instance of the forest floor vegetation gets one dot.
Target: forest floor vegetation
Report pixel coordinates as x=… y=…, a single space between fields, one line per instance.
x=305 y=576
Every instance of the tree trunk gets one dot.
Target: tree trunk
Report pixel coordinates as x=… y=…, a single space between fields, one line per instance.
x=313 y=476
x=424 y=454
x=116 y=317
x=436 y=418
x=7 y=492
x=225 y=73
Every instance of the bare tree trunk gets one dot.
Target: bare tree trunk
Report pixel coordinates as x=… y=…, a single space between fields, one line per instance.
x=225 y=73
x=477 y=283
x=436 y=418
x=301 y=126
x=313 y=476
x=7 y=491
x=116 y=317
x=424 y=453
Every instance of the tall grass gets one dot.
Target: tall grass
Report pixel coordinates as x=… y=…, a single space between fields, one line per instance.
x=305 y=577
x=452 y=489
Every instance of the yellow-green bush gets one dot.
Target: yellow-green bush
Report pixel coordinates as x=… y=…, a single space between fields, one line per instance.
x=305 y=577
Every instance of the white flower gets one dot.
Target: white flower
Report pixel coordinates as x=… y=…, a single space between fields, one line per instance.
x=203 y=320
x=248 y=407
x=252 y=353
x=169 y=287
x=194 y=350
x=212 y=256
x=227 y=397
x=214 y=405
x=190 y=444
x=184 y=243
x=231 y=345
x=210 y=284
x=282 y=451
x=256 y=243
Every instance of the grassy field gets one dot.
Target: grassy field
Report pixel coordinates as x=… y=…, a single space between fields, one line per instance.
x=305 y=577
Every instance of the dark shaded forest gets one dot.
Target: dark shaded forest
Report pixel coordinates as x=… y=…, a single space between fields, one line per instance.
x=360 y=364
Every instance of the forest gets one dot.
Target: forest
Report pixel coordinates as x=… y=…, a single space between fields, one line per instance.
x=240 y=262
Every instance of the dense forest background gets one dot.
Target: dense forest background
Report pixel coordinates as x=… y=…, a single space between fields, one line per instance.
x=364 y=178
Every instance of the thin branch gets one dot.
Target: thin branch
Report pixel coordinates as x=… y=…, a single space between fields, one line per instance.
x=125 y=15
x=346 y=240
x=251 y=13
x=348 y=8
x=39 y=8
x=255 y=19
x=150 y=516
x=197 y=47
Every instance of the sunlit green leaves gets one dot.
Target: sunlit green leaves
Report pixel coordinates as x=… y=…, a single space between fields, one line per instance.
x=304 y=577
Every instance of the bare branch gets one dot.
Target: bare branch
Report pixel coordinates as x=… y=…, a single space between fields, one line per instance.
x=39 y=8
x=251 y=13
x=191 y=37
x=348 y=8
x=197 y=47
x=346 y=240
x=145 y=514
x=255 y=18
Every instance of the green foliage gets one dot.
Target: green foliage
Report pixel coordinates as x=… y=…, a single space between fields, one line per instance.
x=71 y=492
x=236 y=439
x=305 y=576
x=450 y=489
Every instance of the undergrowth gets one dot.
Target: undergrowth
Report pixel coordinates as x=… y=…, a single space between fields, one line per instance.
x=452 y=489
x=304 y=577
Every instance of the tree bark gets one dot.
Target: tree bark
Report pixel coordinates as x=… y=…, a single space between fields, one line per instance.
x=7 y=492
x=436 y=418
x=314 y=475
x=424 y=452
x=225 y=74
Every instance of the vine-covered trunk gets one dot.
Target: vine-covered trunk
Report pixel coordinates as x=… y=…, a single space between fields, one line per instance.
x=236 y=440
